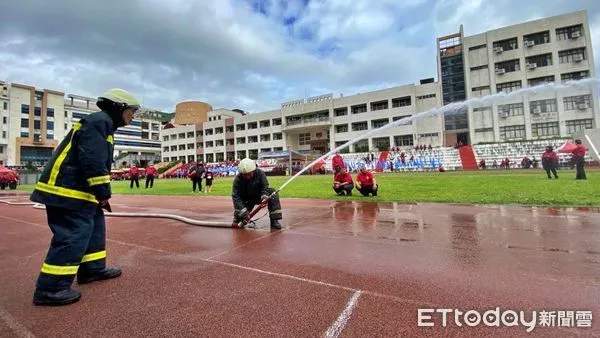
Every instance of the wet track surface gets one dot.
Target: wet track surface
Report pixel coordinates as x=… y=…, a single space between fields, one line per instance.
x=338 y=268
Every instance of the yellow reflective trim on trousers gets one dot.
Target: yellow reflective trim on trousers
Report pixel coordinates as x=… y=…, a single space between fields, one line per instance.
x=62 y=156
x=59 y=270
x=110 y=139
x=275 y=212
x=65 y=192
x=98 y=180
x=94 y=256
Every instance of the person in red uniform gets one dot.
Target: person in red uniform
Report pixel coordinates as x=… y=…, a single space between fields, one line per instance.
x=337 y=162
x=550 y=162
x=366 y=183
x=579 y=159
x=342 y=183
x=150 y=173
x=134 y=174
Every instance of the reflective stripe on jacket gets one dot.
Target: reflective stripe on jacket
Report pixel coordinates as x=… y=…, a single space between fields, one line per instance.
x=78 y=174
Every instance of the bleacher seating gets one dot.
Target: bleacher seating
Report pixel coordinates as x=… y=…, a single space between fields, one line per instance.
x=516 y=151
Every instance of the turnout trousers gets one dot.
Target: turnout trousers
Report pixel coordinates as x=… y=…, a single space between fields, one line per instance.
x=77 y=247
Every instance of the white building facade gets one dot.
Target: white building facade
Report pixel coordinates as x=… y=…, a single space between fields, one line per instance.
x=550 y=50
x=35 y=121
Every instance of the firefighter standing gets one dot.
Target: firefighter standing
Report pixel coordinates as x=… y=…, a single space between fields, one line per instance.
x=150 y=172
x=550 y=162
x=579 y=159
x=134 y=176
x=196 y=173
x=251 y=187
x=75 y=186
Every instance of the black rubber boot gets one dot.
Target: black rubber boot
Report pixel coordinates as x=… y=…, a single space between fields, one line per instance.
x=64 y=297
x=107 y=273
x=275 y=224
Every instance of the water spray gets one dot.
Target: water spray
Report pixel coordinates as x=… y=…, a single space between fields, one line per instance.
x=451 y=108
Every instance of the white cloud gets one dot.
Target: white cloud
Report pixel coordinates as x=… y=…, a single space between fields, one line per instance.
x=222 y=52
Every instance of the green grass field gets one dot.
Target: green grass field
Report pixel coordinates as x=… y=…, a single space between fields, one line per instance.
x=524 y=187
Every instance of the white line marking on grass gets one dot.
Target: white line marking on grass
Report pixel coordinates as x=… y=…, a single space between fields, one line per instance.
x=336 y=328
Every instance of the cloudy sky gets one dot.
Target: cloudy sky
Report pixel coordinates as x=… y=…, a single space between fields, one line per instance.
x=246 y=54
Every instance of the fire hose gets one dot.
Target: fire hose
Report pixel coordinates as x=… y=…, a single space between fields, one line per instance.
x=247 y=222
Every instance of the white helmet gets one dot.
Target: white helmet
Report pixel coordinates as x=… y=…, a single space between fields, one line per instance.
x=246 y=166
x=119 y=97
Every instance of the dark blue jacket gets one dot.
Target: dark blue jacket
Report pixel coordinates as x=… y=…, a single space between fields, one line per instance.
x=78 y=174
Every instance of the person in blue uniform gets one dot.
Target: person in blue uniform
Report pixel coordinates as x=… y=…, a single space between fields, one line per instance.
x=75 y=187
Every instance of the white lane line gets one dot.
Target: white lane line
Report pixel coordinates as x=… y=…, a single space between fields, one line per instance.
x=13 y=324
x=340 y=323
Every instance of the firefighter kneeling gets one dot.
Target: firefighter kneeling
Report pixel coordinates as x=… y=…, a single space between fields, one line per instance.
x=250 y=188
x=75 y=186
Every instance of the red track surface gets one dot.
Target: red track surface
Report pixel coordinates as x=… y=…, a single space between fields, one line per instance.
x=379 y=262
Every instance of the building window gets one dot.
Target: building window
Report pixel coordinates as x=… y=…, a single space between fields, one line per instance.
x=512 y=132
x=477 y=47
x=542 y=106
x=341 y=111
x=341 y=128
x=537 y=38
x=24 y=123
x=401 y=102
x=479 y=68
x=572 y=55
x=361 y=146
x=24 y=134
x=303 y=138
x=426 y=96
x=265 y=123
x=575 y=76
x=480 y=91
x=540 y=80
x=577 y=102
x=5 y=105
x=3 y=134
x=277 y=136
x=381 y=143
x=49 y=125
x=252 y=139
x=542 y=60
x=276 y=122
x=403 y=140
x=240 y=140
x=358 y=126
x=252 y=125
x=37 y=111
x=358 y=109
x=508 y=66
x=508 y=87
x=514 y=109
x=190 y=134
x=50 y=112
x=24 y=109
x=240 y=126
x=49 y=136
x=566 y=33
x=575 y=126
x=405 y=123
x=380 y=105
x=508 y=44
x=379 y=123
x=4 y=120
x=265 y=138
x=544 y=129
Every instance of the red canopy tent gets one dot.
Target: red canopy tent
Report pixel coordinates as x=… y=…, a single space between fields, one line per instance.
x=567 y=147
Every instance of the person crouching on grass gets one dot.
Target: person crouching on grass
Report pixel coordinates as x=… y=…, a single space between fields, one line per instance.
x=342 y=183
x=366 y=183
